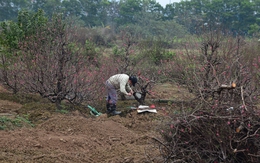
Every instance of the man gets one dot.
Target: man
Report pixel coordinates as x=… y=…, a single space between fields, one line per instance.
x=122 y=82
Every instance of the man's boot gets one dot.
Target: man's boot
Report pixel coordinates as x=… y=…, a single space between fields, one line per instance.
x=109 y=109
x=113 y=110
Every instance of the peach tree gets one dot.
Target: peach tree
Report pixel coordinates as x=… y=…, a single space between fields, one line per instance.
x=222 y=123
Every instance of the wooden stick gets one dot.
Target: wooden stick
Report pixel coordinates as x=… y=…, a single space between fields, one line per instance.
x=242 y=96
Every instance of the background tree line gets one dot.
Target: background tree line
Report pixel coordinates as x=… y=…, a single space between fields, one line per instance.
x=239 y=16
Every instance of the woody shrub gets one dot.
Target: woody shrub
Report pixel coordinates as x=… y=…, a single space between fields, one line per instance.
x=222 y=124
x=218 y=69
x=11 y=34
x=202 y=136
x=54 y=64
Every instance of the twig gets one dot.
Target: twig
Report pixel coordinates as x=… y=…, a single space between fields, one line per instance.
x=253 y=155
x=160 y=142
x=39 y=157
x=214 y=73
x=242 y=96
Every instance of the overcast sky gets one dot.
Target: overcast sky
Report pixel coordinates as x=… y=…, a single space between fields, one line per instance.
x=164 y=2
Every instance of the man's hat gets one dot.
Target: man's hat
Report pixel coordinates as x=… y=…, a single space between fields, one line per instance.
x=133 y=80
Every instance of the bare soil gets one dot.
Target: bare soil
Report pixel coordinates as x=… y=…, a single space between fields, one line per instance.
x=74 y=137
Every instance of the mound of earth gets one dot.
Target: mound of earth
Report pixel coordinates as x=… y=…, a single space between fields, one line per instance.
x=74 y=138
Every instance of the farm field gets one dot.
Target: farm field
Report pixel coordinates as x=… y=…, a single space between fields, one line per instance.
x=77 y=137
